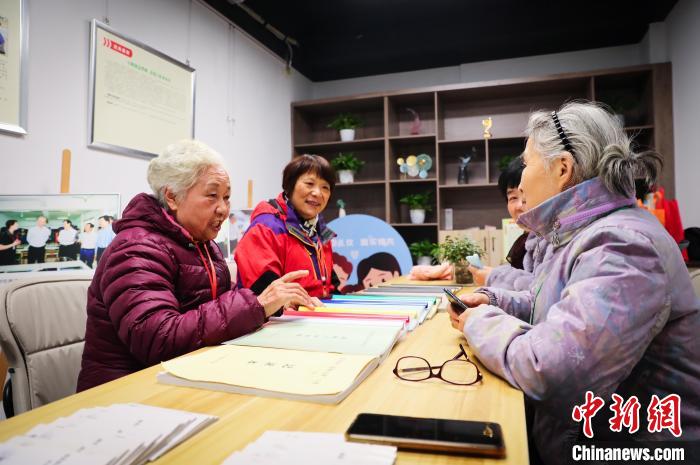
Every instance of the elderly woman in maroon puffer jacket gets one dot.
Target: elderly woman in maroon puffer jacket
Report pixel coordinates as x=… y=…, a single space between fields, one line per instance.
x=162 y=288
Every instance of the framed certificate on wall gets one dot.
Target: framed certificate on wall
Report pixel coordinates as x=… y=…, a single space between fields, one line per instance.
x=140 y=99
x=13 y=66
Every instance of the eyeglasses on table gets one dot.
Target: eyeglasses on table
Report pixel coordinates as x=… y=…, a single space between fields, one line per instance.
x=457 y=370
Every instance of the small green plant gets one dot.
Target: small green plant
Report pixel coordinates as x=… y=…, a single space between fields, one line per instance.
x=454 y=250
x=347 y=161
x=418 y=201
x=504 y=161
x=345 y=121
x=424 y=248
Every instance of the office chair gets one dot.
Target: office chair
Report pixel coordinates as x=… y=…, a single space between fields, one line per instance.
x=42 y=332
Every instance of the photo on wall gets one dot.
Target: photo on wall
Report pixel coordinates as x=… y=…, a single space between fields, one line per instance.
x=53 y=228
x=238 y=222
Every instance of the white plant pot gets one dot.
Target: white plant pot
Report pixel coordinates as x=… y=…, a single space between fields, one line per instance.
x=346 y=176
x=425 y=260
x=417 y=216
x=347 y=135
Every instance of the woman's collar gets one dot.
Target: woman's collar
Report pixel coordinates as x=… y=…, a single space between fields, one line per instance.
x=572 y=209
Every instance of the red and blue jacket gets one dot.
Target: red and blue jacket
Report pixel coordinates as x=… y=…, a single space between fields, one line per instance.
x=276 y=244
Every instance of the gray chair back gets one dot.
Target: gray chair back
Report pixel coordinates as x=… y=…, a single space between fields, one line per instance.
x=42 y=333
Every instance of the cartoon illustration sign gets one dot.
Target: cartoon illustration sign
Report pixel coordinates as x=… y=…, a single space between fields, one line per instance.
x=367 y=251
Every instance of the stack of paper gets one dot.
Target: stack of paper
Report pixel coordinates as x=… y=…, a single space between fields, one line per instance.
x=410 y=290
x=120 y=434
x=262 y=371
x=416 y=308
x=292 y=448
x=360 y=337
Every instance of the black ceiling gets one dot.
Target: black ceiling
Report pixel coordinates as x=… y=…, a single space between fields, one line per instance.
x=340 y=39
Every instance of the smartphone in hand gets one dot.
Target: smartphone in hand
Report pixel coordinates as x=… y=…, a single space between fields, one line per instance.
x=457 y=305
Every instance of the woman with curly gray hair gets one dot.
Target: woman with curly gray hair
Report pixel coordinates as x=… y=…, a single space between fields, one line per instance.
x=611 y=310
x=162 y=287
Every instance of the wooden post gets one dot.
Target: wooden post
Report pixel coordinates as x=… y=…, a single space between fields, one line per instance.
x=250 y=194
x=65 y=172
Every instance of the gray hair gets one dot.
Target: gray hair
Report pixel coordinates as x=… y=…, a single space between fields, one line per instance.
x=601 y=147
x=179 y=167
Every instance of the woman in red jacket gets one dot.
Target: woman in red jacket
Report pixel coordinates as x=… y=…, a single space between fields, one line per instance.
x=289 y=233
x=162 y=288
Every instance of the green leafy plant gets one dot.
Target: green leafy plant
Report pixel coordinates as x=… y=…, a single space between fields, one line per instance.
x=424 y=248
x=504 y=161
x=418 y=201
x=347 y=161
x=345 y=121
x=454 y=250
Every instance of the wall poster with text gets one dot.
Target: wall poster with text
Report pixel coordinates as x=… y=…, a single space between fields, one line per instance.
x=141 y=100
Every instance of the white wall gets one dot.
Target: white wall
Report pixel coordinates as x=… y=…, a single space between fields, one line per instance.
x=235 y=77
x=683 y=29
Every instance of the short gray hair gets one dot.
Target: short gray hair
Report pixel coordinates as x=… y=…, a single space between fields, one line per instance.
x=601 y=147
x=179 y=167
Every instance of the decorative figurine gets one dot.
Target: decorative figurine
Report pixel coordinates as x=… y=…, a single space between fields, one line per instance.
x=416 y=125
x=412 y=162
x=463 y=173
x=424 y=163
x=403 y=167
x=487 y=123
x=341 y=208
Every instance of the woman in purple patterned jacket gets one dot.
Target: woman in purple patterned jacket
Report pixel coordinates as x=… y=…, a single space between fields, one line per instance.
x=611 y=309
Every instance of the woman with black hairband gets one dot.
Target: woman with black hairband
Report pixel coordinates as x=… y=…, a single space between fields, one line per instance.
x=525 y=252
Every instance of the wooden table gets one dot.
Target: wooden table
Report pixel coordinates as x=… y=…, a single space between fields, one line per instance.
x=242 y=419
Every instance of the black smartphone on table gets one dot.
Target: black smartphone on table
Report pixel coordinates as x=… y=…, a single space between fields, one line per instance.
x=429 y=434
x=457 y=305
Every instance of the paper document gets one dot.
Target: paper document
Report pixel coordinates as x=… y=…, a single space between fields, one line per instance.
x=276 y=370
x=324 y=336
x=413 y=313
x=295 y=448
x=120 y=434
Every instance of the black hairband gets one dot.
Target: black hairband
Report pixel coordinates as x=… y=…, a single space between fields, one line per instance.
x=562 y=134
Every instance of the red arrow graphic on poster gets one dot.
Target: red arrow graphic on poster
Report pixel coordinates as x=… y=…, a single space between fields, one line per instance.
x=117 y=47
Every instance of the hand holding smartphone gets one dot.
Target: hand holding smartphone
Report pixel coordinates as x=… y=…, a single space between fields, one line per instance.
x=457 y=305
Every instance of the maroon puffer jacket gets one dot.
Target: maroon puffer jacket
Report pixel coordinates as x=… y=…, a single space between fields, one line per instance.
x=150 y=299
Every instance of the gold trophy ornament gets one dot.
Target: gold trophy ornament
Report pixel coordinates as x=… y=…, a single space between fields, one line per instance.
x=487 y=123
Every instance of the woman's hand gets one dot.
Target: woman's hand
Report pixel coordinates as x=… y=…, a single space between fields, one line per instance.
x=283 y=293
x=471 y=300
x=480 y=274
x=16 y=243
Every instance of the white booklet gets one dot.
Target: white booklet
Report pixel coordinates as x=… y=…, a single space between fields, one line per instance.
x=262 y=371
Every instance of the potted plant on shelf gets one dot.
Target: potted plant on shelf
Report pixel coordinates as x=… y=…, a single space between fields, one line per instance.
x=418 y=204
x=346 y=123
x=455 y=251
x=504 y=161
x=346 y=164
x=424 y=251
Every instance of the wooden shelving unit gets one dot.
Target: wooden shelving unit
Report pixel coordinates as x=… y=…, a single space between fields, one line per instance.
x=451 y=127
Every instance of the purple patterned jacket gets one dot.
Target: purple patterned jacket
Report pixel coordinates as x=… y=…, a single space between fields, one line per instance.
x=611 y=310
